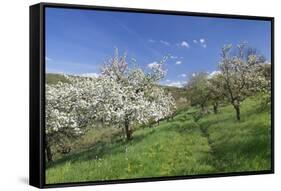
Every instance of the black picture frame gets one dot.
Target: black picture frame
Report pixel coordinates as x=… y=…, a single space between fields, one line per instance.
x=37 y=93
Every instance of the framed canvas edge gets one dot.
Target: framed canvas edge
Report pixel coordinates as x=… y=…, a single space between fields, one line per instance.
x=36 y=90
x=36 y=144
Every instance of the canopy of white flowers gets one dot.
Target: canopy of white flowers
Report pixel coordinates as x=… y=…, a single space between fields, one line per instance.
x=119 y=95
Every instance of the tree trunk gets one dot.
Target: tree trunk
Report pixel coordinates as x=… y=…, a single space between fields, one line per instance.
x=237 y=108
x=128 y=130
x=158 y=122
x=215 y=106
x=49 y=153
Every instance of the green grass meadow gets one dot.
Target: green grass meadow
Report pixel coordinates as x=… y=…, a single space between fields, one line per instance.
x=215 y=143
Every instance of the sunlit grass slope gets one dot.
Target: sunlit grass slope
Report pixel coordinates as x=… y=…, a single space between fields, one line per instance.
x=240 y=146
x=213 y=144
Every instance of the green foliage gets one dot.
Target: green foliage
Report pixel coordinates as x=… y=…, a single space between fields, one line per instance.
x=198 y=90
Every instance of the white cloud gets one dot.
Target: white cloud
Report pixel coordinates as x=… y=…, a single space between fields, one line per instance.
x=193 y=75
x=151 y=41
x=47 y=58
x=152 y=65
x=168 y=80
x=178 y=62
x=178 y=84
x=173 y=57
x=183 y=75
x=164 y=42
x=94 y=75
x=203 y=43
x=202 y=40
x=184 y=44
x=213 y=73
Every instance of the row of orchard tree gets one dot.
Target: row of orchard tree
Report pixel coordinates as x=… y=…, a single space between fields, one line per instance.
x=242 y=73
x=121 y=97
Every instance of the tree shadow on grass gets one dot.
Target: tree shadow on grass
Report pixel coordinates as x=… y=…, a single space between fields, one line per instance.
x=231 y=155
x=99 y=150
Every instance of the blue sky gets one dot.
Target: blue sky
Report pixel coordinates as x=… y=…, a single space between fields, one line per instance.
x=79 y=41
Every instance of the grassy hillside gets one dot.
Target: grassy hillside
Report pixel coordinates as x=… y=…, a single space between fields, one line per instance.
x=55 y=78
x=182 y=146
